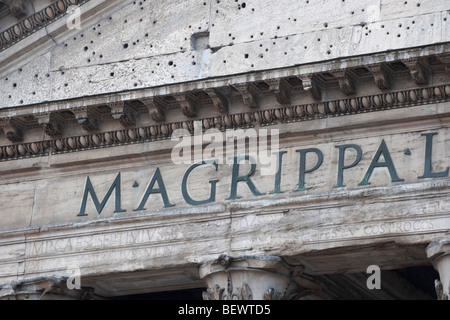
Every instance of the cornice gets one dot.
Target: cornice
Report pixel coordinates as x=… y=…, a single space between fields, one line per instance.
x=252 y=118
x=415 y=69
x=35 y=22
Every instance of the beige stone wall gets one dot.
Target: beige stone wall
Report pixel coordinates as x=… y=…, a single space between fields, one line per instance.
x=135 y=50
x=127 y=46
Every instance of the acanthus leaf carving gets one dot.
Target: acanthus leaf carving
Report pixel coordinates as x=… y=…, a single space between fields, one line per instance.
x=346 y=81
x=13 y=129
x=281 y=89
x=382 y=76
x=219 y=99
x=249 y=94
x=87 y=117
x=273 y=294
x=440 y=290
x=54 y=288
x=18 y=7
x=419 y=69
x=310 y=85
x=215 y=293
x=248 y=278
x=445 y=60
x=51 y=122
x=188 y=104
x=125 y=113
x=305 y=112
x=157 y=108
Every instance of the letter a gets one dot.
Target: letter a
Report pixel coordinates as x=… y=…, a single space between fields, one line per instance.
x=374 y=281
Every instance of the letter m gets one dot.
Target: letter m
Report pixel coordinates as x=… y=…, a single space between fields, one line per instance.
x=89 y=189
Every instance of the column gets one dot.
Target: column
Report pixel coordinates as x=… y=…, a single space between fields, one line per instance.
x=439 y=254
x=256 y=278
x=44 y=289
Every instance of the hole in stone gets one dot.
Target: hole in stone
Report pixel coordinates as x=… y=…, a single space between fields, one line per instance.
x=125 y=45
x=200 y=41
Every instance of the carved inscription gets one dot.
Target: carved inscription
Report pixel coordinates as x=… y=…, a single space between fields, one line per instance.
x=373 y=229
x=105 y=240
x=241 y=175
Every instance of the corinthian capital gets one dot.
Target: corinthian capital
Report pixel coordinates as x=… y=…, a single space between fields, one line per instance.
x=256 y=278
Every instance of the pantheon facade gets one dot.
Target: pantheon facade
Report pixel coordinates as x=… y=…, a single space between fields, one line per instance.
x=232 y=149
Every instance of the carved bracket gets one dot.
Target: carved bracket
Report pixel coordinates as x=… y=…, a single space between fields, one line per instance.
x=125 y=113
x=445 y=60
x=87 y=117
x=45 y=289
x=382 y=76
x=419 y=69
x=249 y=94
x=281 y=89
x=157 y=108
x=13 y=129
x=219 y=99
x=346 y=81
x=310 y=85
x=188 y=104
x=51 y=122
x=18 y=7
x=259 y=278
x=439 y=254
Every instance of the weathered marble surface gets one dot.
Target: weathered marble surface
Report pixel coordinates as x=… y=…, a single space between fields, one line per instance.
x=133 y=45
x=167 y=47
x=390 y=219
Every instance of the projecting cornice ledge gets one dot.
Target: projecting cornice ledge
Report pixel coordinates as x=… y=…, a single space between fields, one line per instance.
x=233 y=102
x=30 y=21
